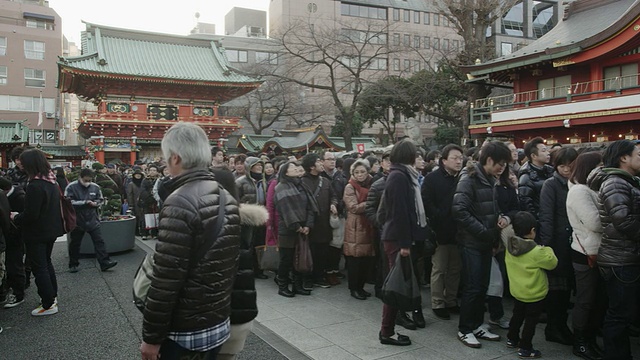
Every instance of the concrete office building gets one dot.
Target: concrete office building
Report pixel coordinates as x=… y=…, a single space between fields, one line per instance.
x=245 y=22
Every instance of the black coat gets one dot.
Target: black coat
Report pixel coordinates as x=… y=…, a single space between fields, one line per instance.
x=373 y=201
x=16 y=202
x=5 y=221
x=530 y=181
x=41 y=219
x=322 y=232
x=185 y=296
x=619 y=207
x=508 y=201
x=555 y=230
x=401 y=223
x=476 y=210
x=437 y=196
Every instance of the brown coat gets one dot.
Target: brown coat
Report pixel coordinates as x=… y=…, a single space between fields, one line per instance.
x=358 y=232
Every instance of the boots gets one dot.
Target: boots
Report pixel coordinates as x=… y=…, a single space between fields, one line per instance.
x=583 y=348
x=298 y=288
x=418 y=319
x=283 y=287
x=554 y=333
x=332 y=278
x=403 y=320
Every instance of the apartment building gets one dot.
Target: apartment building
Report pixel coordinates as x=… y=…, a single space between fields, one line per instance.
x=30 y=43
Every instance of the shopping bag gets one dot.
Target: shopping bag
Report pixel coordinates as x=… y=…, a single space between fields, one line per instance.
x=337 y=226
x=302 y=261
x=151 y=221
x=496 y=287
x=268 y=257
x=142 y=282
x=400 y=289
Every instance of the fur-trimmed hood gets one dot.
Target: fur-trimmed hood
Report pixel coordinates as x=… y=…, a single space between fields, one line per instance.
x=253 y=215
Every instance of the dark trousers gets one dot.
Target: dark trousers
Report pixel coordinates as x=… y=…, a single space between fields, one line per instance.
x=286 y=263
x=389 y=313
x=170 y=350
x=39 y=252
x=319 y=253
x=623 y=285
x=14 y=261
x=98 y=243
x=359 y=269
x=476 y=270
x=527 y=313
x=494 y=305
x=382 y=266
x=333 y=258
x=557 y=305
x=591 y=300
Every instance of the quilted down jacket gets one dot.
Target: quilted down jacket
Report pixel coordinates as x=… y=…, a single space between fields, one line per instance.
x=530 y=181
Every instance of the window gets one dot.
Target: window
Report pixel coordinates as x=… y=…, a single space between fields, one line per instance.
x=396 y=14
x=396 y=39
x=427 y=18
x=427 y=42
x=416 y=17
x=267 y=57
x=407 y=40
x=554 y=87
x=3 y=46
x=363 y=11
x=34 y=50
x=416 y=41
x=407 y=15
x=445 y=44
x=445 y=21
x=506 y=48
x=3 y=75
x=26 y=103
x=237 y=55
x=39 y=24
x=378 y=64
x=396 y=64
x=621 y=76
x=362 y=37
x=416 y=65
x=455 y=45
x=407 y=65
x=436 y=19
x=436 y=44
x=34 y=78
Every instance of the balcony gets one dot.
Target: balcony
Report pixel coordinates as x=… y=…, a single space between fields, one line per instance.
x=555 y=101
x=89 y=115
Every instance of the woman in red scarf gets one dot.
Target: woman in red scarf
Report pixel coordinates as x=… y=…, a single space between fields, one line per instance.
x=358 y=231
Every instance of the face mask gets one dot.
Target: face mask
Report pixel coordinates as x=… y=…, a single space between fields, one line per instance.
x=85 y=184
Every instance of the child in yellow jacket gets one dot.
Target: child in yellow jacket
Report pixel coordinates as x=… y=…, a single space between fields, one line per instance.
x=526 y=263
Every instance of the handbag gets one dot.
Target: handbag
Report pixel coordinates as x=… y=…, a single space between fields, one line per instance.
x=268 y=257
x=302 y=262
x=151 y=221
x=337 y=226
x=68 y=213
x=144 y=274
x=400 y=289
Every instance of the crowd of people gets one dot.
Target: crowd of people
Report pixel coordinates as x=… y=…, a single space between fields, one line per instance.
x=536 y=224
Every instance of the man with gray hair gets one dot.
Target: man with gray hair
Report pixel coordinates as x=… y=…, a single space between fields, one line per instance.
x=186 y=314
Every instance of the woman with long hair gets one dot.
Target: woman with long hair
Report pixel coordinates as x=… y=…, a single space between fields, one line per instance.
x=41 y=223
x=591 y=299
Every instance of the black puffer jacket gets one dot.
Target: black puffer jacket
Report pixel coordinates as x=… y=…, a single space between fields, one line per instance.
x=475 y=208
x=530 y=181
x=184 y=296
x=619 y=207
x=437 y=196
x=41 y=219
x=373 y=201
x=555 y=229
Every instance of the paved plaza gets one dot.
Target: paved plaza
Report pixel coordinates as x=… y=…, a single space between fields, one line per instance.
x=97 y=320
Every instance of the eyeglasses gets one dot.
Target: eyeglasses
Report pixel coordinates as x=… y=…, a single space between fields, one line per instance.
x=455 y=158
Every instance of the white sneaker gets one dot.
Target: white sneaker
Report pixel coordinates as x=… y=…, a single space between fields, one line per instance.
x=482 y=332
x=469 y=340
x=501 y=323
x=40 y=311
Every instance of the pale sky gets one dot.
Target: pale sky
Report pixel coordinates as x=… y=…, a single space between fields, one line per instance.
x=164 y=16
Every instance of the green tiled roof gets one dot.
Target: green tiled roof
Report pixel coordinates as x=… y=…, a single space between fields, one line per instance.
x=9 y=130
x=136 y=53
x=253 y=142
x=64 y=151
x=256 y=143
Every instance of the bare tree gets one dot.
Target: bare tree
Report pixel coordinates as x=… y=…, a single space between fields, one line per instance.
x=337 y=59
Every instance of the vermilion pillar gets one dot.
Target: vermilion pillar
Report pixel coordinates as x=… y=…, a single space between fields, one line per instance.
x=100 y=150
x=133 y=155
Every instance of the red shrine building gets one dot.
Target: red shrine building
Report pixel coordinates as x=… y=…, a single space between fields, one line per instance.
x=576 y=84
x=142 y=83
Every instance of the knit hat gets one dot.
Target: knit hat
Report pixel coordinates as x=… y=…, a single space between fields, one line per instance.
x=360 y=162
x=138 y=171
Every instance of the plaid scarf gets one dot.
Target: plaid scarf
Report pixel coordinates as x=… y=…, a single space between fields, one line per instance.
x=50 y=177
x=293 y=201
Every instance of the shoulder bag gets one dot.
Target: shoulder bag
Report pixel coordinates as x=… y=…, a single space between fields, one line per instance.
x=68 y=213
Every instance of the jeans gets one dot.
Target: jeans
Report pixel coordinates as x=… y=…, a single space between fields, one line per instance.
x=98 y=243
x=527 y=313
x=476 y=269
x=389 y=313
x=14 y=262
x=591 y=300
x=623 y=283
x=358 y=269
x=445 y=276
x=39 y=252
x=170 y=350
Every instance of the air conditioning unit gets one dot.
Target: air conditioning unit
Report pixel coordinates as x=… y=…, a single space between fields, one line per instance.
x=50 y=115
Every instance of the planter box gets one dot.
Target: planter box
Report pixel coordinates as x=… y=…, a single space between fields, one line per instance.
x=119 y=235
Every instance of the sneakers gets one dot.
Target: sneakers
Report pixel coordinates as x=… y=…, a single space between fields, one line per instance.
x=482 y=332
x=73 y=269
x=501 y=323
x=108 y=265
x=529 y=354
x=512 y=343
x=40 y=311
x=469 y=340
x=12 y=301
x=321 y=284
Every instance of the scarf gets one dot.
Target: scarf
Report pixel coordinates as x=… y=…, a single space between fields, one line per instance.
x=293 y=201
x=422 y=217
x=50 y=177
x=361 y=188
